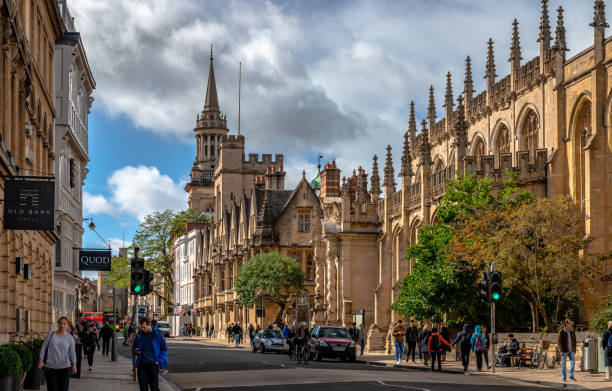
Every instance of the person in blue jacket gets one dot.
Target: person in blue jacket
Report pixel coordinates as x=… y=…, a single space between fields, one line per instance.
x=151 y=355
x=479 y=344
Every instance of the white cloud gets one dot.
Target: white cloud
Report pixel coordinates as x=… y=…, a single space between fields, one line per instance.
x=139 y=191
x=117 y=243
x=94 y=204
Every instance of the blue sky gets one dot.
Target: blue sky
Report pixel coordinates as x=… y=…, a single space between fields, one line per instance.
x=319 y=77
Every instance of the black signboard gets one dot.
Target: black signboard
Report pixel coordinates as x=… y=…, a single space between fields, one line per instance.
x=99 y=260
x=29 y=204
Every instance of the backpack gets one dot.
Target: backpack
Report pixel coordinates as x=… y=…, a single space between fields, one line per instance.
x=435 y=343
x=479 y=345
x=466 y=340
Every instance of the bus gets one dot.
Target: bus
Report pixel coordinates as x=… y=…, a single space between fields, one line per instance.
x=90 y=317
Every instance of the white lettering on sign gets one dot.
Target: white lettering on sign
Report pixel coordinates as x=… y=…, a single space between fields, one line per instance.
x=89 y=260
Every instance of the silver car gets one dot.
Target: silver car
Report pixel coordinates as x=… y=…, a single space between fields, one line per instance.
x=270 y=341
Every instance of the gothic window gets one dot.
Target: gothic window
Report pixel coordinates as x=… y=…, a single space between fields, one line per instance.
x=479 y=150
x=231 y=277
x=303 y=220
x=309 y=268
x=582 y=132
x=502 y=142
x=222 y=280
x=529 y=133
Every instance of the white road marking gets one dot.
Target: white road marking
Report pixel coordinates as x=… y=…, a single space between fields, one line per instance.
x=402 y=386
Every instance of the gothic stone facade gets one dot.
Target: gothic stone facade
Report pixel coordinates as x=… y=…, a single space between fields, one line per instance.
x=28 y=31
x=549 y=120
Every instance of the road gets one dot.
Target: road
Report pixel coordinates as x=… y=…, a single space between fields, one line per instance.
x=200 y=366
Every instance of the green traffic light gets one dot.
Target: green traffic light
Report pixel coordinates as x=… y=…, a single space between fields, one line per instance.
x=137 y=288
x=495 y=296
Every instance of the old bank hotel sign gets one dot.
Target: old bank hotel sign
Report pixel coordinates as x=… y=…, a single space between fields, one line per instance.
x=29 y=204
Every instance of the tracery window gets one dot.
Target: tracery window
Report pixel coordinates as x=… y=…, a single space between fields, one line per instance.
x=310 y=268
x=529 y=133
x=502 y=142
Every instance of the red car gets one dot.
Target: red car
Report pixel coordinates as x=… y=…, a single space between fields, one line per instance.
x=332 y=342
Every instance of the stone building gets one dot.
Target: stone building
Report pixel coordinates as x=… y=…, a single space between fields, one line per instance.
x=28 y=31
x=547 y=120
x=74 y=84
x=253 y=213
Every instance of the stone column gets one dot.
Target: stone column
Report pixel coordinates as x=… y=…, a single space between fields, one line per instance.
x=332 y=290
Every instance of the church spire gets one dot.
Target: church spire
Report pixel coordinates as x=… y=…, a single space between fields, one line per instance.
x=431 y=108
x=212 y=102
x=389 y=174
x=544 y=37
x=515 y=47
x=560 y=43
x=375 y=179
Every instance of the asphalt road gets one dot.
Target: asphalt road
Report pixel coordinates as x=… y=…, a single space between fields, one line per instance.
x=201 y=366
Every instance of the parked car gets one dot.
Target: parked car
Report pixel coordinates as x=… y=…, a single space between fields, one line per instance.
x=164 y=327
x=270 y=341
x=332 y=342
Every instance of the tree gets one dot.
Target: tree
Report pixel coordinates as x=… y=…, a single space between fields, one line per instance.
x=155 y=236
x=603 y=315
x=270 y=274
x=119 y=276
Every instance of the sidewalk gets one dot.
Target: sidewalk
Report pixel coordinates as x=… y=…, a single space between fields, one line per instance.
x=109 y=375
x=586 y=380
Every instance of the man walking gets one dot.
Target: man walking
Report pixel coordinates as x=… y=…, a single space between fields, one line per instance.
x=435 y=348
x=105 y=334
x=151 y=355
x=567 y=346
x=398 y=335
x=237 y=332
x=465 y=339
x=412 y=335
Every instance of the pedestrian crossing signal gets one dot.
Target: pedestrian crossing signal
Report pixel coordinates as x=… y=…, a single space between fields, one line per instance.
x=484 y=287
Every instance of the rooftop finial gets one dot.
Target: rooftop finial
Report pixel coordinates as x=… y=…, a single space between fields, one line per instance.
x=412 y=126
x=560 y=43
x=389 y=175
x=490 y=69
x=211 y=52
x=468 y=88
x=460 y=125
x=425 y=147
x=544 y=37
x=375 y=179
x=448 y=96
x=431 y=108
x=515 y=47
x=599 y=15
x=406 y=169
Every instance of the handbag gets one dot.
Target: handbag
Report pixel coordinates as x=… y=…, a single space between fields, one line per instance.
x=47 y=351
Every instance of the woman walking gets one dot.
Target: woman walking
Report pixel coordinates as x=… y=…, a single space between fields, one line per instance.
x=423 y=342
x=606 y=344
x=479 y=344
x=89 y=345
x=58 y=357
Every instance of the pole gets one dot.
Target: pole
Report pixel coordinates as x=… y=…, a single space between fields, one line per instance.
x=239 y=87
x=492 y=322
x=113 y=351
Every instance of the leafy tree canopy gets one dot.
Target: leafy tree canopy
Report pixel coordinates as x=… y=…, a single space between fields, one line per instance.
x=119 y=276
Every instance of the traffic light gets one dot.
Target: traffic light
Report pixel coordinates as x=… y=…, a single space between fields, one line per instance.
x=138 y=274
x=148 y=278
x=496 y=286
x=484 y=287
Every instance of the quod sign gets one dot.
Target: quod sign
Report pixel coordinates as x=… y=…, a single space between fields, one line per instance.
x=96 y=260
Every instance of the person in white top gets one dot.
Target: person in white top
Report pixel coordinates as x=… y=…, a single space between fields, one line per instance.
x=58 y=356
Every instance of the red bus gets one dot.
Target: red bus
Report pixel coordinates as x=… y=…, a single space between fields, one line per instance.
x=98 y=317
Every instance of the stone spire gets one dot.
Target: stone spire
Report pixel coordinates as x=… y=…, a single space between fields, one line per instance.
x=448 y=96
x=389 y=181
x=468 y=84
x=412 y=126
x=599 y=15
x=375 y=179
x=460 y=137
x=425 y=147
x=490 y=68
x=515 y=47
x=211 y=103
x=431 y=108
x=544 y=37
x=406 y=169
x=560 y=43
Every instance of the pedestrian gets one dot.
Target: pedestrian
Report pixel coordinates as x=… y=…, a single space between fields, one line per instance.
x=435 y=348
x=151 y=355
x=207 y=328
x=106 y=334
x=486 y=355
x=423 y=340
x=270 y=327
x=446 y=335
x=353 y=333
x=130 y=332
x=286 y=331
x=361 y=332
x=58 y=356
x=78 y=348
x=236 y=331
x=479 y=344
x=251 y=330
x=228 y=332
x=398 y=335
x=464 y=338
x=567 y=346
x=89 y=345
x=212 y=331
x=184 y=329
x=606 y=344
x=412 y=336
x=126 y=335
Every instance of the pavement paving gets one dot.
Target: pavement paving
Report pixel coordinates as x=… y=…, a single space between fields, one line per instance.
x=198 y=365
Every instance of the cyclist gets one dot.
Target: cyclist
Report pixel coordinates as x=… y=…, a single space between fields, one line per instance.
x=301 y=336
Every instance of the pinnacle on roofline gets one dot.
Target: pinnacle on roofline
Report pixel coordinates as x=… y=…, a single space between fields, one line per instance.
x=469 y=82
x=431 y=108
x=389 y=175
x=448 y=101
x=560 y=42
x=544 y=36
x=375 y=179
x=515 y=47
x=490 y=68
x=599 y=15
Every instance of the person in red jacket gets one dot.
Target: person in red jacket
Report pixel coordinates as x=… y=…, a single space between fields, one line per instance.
x=435 y=348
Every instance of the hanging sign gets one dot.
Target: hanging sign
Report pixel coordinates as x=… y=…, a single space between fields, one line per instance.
x=96 y=260
x=29 y=204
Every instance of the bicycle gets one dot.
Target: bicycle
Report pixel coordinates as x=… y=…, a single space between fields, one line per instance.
x=302 y=355
x=540 y=358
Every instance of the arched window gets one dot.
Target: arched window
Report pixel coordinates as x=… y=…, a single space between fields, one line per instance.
x=529 y=133
x=502 y=141
x=310 y=268
x=479 y=149
x=580 y=137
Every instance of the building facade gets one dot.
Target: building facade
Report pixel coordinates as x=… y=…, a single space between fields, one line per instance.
x=74 y=84
x=184 y=264
x=548 y=121
x=28 y=31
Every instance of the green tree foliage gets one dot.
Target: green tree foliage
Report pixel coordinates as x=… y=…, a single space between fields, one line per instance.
x=155 y=236
x=275 y=276
x=119 y=276
x=10 y=363
x=603 y=315
x=25 y=355
x=443 y=281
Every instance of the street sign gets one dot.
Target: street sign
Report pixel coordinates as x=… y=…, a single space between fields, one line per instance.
x=29 y=204
x=96 y=260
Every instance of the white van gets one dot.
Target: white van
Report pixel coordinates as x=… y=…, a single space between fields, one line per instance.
x=164 y=327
